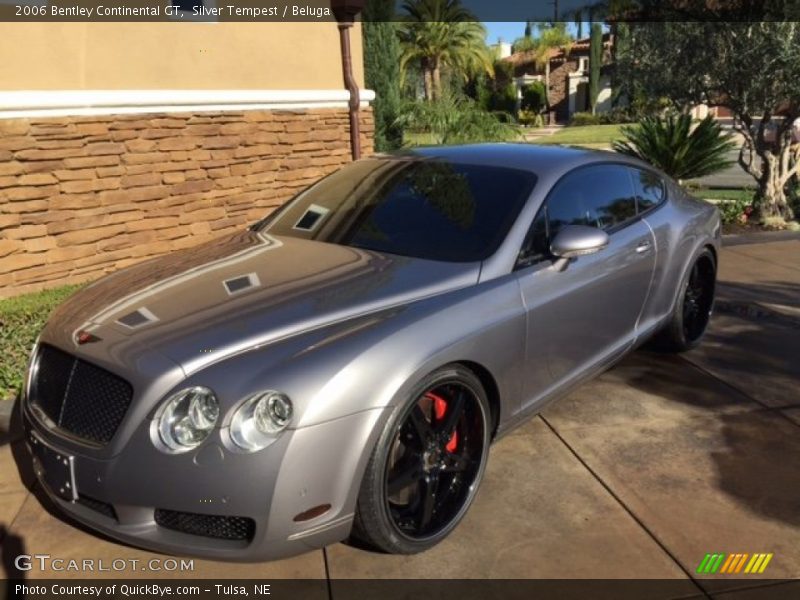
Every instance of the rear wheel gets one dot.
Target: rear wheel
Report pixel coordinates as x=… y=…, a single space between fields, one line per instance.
x=692 y=312
x=426 y=468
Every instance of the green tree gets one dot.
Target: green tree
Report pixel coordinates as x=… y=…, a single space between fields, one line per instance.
x=442 y=34
x=534 y=97
x=753 y=68
x=552 y=37
x=382 y=71
x=595 y=62
x=674 y=147
x=454 y=119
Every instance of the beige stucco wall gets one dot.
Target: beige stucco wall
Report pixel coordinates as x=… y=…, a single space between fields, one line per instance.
x=76 y=56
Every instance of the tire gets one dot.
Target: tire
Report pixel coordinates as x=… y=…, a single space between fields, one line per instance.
x=689 y=320
x=423 y=474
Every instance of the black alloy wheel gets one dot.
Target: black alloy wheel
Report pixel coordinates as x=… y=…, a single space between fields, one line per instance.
x=698 y=300
x=427 y=465
x=435 y=457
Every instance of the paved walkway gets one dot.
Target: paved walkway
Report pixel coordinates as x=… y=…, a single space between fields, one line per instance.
x=638 y=473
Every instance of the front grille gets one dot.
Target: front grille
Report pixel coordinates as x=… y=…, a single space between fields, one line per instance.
x=214 y=526
x=79 y=397
x=104 y=508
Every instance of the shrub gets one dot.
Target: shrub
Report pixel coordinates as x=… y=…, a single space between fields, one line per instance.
x=671 y=145
x=504 y=99
x=581 y=119
x=21 y=319
x=531 y=119
x=456 y=119
x=615 y=116
x=735 y=211
x=534 y=97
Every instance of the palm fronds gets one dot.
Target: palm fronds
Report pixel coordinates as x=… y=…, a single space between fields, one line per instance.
x=674 y=147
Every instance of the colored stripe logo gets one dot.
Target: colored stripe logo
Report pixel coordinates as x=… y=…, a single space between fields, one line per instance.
x=733 y=564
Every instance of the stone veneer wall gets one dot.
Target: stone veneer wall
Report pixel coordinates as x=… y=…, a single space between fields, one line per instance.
x=559 y=88
x=83 y=196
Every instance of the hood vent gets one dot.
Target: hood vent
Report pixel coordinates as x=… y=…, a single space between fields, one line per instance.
x=138 y=318
x=241 y=283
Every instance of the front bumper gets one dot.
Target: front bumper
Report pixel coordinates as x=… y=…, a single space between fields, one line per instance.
x=305 y=468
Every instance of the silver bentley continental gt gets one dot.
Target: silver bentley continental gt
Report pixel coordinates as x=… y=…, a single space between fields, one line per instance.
x=340 y=368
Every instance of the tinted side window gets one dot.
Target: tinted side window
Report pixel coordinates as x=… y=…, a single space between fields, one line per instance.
x=536 y=244
x=600 y=196
x=650 y=189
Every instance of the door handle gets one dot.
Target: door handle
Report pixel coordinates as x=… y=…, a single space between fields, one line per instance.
x=643 y=247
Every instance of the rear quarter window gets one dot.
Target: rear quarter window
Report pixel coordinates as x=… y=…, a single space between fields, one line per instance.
x=650 y=189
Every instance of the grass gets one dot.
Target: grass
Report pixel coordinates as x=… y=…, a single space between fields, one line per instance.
x=592 y=136
x=21 y=320
x=735 y=194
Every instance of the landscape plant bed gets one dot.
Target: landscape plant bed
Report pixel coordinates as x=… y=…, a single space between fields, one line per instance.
x=21 y=319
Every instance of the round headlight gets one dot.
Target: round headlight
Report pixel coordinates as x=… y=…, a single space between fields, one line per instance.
x=187 y=418
x=260 y=419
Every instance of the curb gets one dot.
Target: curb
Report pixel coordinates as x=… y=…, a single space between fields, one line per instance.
x=758 y=237
x=6 y=412
x=755 y=310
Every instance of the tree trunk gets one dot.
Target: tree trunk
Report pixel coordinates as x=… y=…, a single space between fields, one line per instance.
x=547 y=86
x=780 y=161
x=437 y=81
x=427 y=83
x=774 y=203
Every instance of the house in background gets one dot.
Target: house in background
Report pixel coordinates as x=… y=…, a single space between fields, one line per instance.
x=123 y=141
x=569 y=77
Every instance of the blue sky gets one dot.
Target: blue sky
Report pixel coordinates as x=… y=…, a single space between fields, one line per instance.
x=510 y=31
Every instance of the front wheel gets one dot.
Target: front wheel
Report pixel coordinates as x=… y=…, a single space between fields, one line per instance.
x=425 y=470
x=692 y=312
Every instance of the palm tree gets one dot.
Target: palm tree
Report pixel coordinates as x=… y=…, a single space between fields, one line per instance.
x=552 y=37
x=442 y=34
x=671 y=145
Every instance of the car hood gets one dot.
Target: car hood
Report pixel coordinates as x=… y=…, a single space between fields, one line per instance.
x=199 y=305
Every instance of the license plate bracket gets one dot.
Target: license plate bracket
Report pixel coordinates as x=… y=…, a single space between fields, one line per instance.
x=54 y=468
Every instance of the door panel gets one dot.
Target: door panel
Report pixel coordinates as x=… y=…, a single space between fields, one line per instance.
x=583 y=316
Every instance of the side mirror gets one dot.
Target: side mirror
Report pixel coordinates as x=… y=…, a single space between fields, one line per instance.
x=576 y=240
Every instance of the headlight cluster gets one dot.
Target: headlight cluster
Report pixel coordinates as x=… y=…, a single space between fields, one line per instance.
x=260 y=419
x=188 y=417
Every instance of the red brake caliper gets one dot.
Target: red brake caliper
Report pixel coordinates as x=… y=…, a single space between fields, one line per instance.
x=439 y=409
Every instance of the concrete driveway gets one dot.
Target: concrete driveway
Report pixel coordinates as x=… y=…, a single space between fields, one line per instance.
x=637 y=474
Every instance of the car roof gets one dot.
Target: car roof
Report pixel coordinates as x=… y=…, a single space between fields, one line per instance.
x=528 y=157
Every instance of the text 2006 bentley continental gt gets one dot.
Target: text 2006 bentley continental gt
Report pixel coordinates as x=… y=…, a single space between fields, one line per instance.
x=341 y=367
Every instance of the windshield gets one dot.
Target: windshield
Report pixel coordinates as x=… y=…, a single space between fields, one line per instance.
x=428 y=209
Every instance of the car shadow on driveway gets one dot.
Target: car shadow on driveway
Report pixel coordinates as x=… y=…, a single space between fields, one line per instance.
x=701 y=465
x=756 y=449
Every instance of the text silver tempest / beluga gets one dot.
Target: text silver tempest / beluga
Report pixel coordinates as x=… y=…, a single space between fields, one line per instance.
x=340 y=368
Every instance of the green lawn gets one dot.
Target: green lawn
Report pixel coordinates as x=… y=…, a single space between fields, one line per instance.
x=21 y=319
x=592 y=136
x=737 y=194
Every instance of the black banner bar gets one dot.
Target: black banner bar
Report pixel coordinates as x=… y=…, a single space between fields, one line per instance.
x=396 y=589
